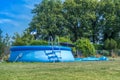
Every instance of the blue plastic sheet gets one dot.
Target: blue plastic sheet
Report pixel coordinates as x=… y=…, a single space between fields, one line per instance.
x=102 y=58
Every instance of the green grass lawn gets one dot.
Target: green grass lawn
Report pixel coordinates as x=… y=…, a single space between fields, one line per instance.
x=106 y=70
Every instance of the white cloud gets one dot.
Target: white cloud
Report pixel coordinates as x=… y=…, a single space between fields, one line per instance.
x=4 y=20
x=25 y=17
x=16 y=16
x=29 y=6
x=7 y=14
x=30 y=3
x=9 y=21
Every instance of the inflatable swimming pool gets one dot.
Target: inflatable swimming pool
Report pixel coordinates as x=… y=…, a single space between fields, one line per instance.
x=40 y=54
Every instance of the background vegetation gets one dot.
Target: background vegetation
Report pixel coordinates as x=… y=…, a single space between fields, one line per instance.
x=4 y=46
x=97 y=20
x=72 y=20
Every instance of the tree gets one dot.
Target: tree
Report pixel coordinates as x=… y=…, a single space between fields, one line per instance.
x=1 y=43
x=109 y=10
x=110 y=44
x=48 y=19
x=17 y=40
x=93 y=19
x=4 y=45
x=83 y=18
x=23 y=39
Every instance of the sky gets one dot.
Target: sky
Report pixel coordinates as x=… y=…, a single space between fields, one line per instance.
x=15 y=15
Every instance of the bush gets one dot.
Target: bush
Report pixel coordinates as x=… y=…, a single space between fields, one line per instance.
x=84 y=45
x=98 y=46
x=65 y=39
x=38 y=42
x=19 y=43
x=118 y=44
x=103 y=52
x=106 y=53
x=118 y=52
x=110 y=44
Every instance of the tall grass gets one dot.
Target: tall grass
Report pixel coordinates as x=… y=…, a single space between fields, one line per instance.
x=106 y=70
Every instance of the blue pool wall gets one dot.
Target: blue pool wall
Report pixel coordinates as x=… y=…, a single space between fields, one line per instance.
x=40 y=54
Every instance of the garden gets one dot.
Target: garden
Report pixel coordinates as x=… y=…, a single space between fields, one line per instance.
x=91 y=26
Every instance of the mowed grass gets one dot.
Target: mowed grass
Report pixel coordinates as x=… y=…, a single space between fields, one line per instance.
x=97 y=70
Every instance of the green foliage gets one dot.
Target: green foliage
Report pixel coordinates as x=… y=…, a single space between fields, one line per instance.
x=18 y=40
x=48 y=19
x=118 y=46
x=4 y=45
x=106 y=53
x=23 y=39
x=77 y=18
x=93 y=19
x=111 y=23
x=85 y=46
x=1 y=43
x=81 y=18
x=74 y=51
x=38 y=42
x=65 y=39
x=110 y=44
x=27 y=39
x=118 y=52
x=118 y=43
x=98 y=46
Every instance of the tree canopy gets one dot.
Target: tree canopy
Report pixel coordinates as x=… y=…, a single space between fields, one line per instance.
x=96 y=20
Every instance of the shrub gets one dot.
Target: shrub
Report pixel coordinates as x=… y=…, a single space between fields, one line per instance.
x=103 y=52
x=38 y=42
x=110 y=44
x=19 y=43
x=118 y=52
x=85 y=46
x=65 y=39
x=98 y=46
x=106 y=53
x=118 y=44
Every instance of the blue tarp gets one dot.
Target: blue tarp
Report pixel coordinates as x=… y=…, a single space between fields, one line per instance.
x=102 y=58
